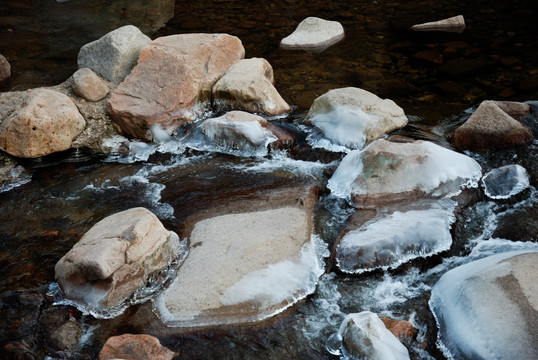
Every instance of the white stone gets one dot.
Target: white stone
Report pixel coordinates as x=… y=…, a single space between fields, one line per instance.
x=313 y=34
x=454 y=24
x=89 y=85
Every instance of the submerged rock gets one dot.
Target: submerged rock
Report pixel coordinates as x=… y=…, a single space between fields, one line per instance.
x=353 y=117
x=171 y=84
x=115 y=258
x=89 y=85
x=135 y=347
x=5 y=69
x=488 y=309
x=490 y=127
x=115 y=54
x=454 y=24
x=505 y=182
x=314 y=34
x=38 y=122
x=387 y=172
x=248 y=86
x=364 y=336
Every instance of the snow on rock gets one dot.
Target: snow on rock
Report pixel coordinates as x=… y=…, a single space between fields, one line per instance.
x=364 y=336
x=353 y=117
x=389 y=172
x=314 y=34
x=506 y=181
x=390 y=240
x=487 y=309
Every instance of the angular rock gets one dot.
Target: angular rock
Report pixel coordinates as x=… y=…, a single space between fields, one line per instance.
x=38 y=122
x=88 y=85
x=247 y=262
x=135 y=347
x=171 y=84
x=454 y=24
x=354 y=117
x=313 y=34
x=489 y=308
x=5 y=69
x=515 y=109
x=248 y=86
x=114 y=258
x=388 y=172
x=505 y=182
x=402 y=329
x=115 y=54
x=490 y=127
x=364 y=336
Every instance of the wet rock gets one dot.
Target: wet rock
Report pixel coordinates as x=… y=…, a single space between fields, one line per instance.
x=38 y=122
x=402 y=329
x=248 y=260
x=248 y=86
x=88 y=85
x=62 y=331
x=115 y=54
x=135 y=347
x=505 y=182
x=489 y=308
x=454 y=24
x=114 y=258
x=515 y=109
x=490 y=127
x=430 y=56
x=313 y=34
x=5 y=69
x=354 y=117
x=148 y=97
x=388 y=172
x=462 y=66
x=364 y=336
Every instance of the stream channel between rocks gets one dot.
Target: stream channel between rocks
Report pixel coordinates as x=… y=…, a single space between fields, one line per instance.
x=437 y=78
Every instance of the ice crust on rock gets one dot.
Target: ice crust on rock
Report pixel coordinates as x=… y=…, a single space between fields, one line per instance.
x=505 y=182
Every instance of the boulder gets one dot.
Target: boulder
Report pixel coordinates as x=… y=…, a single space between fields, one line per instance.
x=38 y=122
x=364 y=336
x=454 y=24
x=313 y=34
x=115 y=54
x=115 y=258
x=354 y=117
x=402 y=329
x=171 y=84
x=505 y=182
x=5 y=69
x=248 y=86
x=135 y=347
x=89 y=85
x=388 y=172
x=515 y=109
x=490 y=127
x=247 y=261
x=488 y=308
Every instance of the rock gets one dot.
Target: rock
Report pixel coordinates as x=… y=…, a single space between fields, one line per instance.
x=38 y=122
x=135 y=347
x=489 y=308
x=354 y=117
x=430 y=56
x=388 y=172
x=364 y=336
x=247 y=261
x=402 y=329
x=115 y=54
x=248 y=86
x=490 y=127
x=454 y=24
x=88 y=85
x=115 y=258
x=148 y=96
x=396 y=236
x=313 y=34
x=5 y=69
x=515 y=109
x=505 y=182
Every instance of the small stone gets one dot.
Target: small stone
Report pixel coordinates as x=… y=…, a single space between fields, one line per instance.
x=5 y=69
x=430 y=56
x=313 y=34
x=87 y=84
x=135 y=347
x=402 y=329
x=454 y=24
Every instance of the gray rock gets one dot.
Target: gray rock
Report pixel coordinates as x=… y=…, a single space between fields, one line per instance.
x=88 y=85
x=115 y=54
x=454 y=24
x=314 y=34
x=5 y=69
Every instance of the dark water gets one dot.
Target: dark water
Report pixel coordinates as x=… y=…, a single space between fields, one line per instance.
x=434 y=77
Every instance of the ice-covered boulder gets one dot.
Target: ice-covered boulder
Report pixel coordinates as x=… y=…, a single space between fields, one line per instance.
x=353 y=117
x=248 y=85
x=364 y=336
x=113 y=259
x=391 y=239
x=488 y=309
x=453 y=24
x=389 y=172
x=89 y=85
x=505 y=182
x=314 y=34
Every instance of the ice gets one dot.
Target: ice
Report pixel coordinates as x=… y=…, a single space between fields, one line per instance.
x=388 y=241
x=17 y=176
x=506 y=181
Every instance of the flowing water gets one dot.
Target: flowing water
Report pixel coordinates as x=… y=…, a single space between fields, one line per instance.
x=437 y=78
